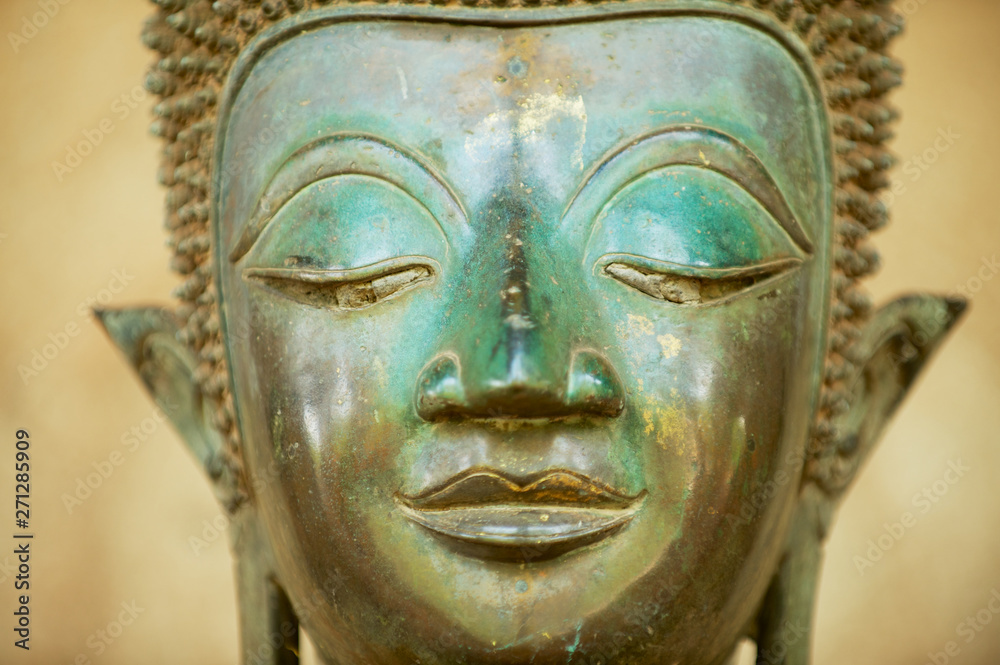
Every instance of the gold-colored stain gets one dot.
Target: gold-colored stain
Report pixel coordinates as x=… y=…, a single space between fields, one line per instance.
x=648 y=417
x=668 y=425
x=637 y=325
x=671 y=345
x=536 y=115
x=670 y=428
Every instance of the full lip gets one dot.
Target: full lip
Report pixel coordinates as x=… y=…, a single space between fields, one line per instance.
x=488 y=514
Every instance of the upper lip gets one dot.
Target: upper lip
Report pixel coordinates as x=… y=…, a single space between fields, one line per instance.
x=490 y=514
x=479 y=486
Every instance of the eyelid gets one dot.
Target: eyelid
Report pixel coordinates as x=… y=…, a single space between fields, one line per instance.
x=667 y=267
x=354 y=154
x=687 y=145
x=686 y=285
x=320 y=275
x=346 y=289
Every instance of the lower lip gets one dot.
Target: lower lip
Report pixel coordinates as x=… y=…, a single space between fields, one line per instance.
x=521 y=533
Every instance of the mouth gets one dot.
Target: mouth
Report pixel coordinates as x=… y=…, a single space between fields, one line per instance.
x=489 y=515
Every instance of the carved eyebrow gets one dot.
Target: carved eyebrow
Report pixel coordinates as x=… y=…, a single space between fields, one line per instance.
x=352 y=154
x=692 y=146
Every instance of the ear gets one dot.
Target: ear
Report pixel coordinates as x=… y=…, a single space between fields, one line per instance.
x=889 y=355
x=886 y=359
x=148 y=338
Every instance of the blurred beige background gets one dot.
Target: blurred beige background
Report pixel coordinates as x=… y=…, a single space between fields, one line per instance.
x=66 y=237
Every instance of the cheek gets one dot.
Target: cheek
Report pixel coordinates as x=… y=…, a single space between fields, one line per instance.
x=332 y=388
x=327 y=398
x=714 y=391
x=325 y=408
x=720 y=397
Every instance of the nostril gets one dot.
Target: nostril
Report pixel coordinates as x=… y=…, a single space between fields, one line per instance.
x=591 y=387
x=594 y=386
x=439 y=388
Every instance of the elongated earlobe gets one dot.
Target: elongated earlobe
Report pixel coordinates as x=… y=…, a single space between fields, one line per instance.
x=893 y=349
x=887 y=358
x=148 y=338
x=269 y=628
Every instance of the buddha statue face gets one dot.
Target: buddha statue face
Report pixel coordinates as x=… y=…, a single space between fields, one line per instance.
x=529 y=334
x=534 y=309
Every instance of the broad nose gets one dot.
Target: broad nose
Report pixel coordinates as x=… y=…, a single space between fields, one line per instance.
x=590 y=387
x=517 y=350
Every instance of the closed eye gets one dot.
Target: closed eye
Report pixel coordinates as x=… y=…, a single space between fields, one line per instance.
x=682 y=285
x=352 y=289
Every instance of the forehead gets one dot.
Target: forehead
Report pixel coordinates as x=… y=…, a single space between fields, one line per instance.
x=529 y=104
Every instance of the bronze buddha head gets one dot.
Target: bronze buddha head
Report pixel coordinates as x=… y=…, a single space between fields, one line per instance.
x=527 y=333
